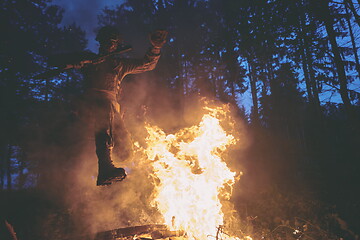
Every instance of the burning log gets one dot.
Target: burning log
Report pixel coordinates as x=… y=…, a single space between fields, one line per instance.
x=153 y=231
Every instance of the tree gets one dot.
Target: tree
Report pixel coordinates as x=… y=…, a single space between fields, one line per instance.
x=30 y=33
x=323 y=11
x=353 y=43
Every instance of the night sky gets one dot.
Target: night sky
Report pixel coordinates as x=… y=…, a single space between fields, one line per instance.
x=84 y=14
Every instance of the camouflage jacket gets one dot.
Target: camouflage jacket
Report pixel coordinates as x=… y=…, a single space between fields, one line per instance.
x=108 y=75
x=103 y=80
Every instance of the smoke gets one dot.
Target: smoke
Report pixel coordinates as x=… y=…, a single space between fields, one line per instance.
x=69 y=175
x=95 y=209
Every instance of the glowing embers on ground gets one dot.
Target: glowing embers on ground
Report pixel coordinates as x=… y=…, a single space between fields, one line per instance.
x=191 y=176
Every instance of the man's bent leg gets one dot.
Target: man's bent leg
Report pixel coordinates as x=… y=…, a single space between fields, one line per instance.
x=108 y=173
x=123 y=147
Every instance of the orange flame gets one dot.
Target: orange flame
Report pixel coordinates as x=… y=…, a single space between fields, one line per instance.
x=191 y=176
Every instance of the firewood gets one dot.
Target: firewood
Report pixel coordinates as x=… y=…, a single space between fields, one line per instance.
x=156 y=231
x=11 y=230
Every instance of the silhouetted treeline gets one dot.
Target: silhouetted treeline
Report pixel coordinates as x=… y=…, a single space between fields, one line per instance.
x=294 y=62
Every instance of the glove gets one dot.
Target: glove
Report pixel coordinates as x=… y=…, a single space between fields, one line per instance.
x=158 y=38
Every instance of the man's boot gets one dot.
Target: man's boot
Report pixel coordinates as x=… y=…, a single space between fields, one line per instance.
x=108 y=173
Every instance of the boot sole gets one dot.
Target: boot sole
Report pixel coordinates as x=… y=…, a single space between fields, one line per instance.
x=109 y=181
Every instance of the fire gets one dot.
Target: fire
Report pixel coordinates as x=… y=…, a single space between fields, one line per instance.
x=191 y=176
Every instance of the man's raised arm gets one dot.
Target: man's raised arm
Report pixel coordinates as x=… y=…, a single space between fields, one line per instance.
x=148 y=63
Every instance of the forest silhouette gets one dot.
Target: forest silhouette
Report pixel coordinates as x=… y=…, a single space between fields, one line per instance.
x=295 y=62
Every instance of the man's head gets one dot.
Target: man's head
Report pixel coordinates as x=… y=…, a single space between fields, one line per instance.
x=109 y=38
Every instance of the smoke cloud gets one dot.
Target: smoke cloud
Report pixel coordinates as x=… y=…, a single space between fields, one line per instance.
x=70 y=176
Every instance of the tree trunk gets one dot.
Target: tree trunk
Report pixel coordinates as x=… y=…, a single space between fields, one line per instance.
x=356 y=56
x=255 y=110
x=306 y=72
x=8 y=168
x=21 y=167
x=352 y=8
x=308 y=60
x=2 y=166
x=304 y=58
x=339 y=64
x=232 y=67
x=312 y=80
x=180 y=84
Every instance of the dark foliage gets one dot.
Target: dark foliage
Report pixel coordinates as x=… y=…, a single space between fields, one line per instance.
x=297 y=59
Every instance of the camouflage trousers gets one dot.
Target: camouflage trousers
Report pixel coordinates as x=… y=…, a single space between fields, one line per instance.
x=111 y=137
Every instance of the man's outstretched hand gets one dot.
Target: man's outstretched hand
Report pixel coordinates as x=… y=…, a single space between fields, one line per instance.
x=158 y=38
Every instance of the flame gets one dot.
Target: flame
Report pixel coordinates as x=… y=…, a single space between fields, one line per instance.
x=191 y=176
